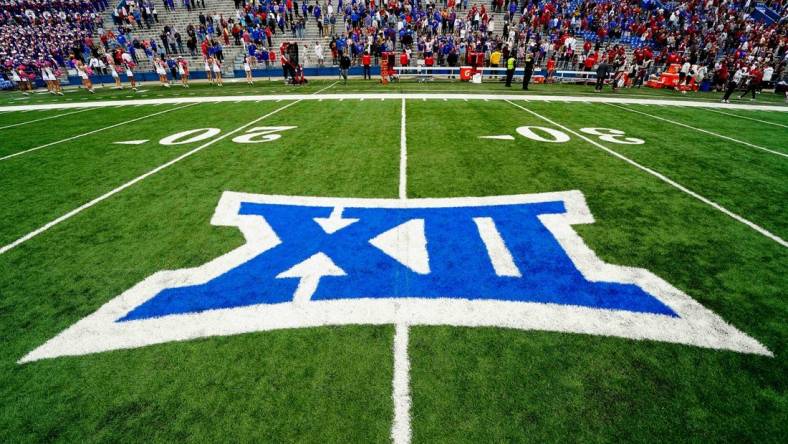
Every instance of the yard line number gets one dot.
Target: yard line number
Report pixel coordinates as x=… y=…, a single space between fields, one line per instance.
x=259 y=134
x=552 y=135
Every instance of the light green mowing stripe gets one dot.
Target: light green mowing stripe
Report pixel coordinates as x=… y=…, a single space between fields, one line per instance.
x=751 y=145
x=42 y=119
x=746 y=118
x=663 y=178
x=68 y=139
x=132 y=182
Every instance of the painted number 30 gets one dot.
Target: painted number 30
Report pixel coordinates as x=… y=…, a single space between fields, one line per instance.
x=551 y=135
x=258 y=134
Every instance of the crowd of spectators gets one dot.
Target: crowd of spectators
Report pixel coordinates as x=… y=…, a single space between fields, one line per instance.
x=446 y=32
x=34 y=33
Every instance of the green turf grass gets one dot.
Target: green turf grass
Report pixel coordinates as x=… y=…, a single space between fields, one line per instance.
x=474 y=385
x=153 y=90
x=334 y=384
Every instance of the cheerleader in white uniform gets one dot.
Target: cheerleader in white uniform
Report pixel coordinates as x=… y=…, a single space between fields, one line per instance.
x=54 y=73
x=114 y=71
x=208 y=74
x=161 y=70
x=216 y=67
x=83 y=74
x=183 y=71
x=130 y=76
x=248 y=60
x=47 y=76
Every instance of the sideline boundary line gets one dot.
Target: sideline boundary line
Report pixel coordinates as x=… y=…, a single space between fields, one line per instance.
x=700 y=130
x=748 y=118
x=44 y=118
x=410 y=96
x=663 y=178
x=30 y=150
x=134 y=181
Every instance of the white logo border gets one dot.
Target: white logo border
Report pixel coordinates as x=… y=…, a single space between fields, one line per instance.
x=99 y=332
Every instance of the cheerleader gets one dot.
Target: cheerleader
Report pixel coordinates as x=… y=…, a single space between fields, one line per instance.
x=17 y=78
x=208 y=74
x=216 y=67
x=48 y=77
x=130 y=76
x=248 y=60
x=114 y=71
x=161 y=70
x=55 y=74
x=83 y=74
x=183 y=71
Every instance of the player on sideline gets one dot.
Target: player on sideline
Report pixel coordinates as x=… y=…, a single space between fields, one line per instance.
x=248 y=60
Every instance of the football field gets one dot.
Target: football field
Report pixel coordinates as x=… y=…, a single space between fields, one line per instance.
x=552 y=267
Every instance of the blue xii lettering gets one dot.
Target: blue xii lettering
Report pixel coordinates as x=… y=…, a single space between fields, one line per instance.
x=506 y=261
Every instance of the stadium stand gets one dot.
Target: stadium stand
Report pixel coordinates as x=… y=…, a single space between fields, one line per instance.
x=640 y=37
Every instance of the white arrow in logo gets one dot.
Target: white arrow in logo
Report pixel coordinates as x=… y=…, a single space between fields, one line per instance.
x=310 y=271
x=334 y=222
x=407 y=244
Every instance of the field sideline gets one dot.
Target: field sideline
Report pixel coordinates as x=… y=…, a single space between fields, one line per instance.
x=100 y=197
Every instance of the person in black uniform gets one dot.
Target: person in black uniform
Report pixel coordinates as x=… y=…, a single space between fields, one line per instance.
x=344 y=66
x=601 y=75
x=528 y=69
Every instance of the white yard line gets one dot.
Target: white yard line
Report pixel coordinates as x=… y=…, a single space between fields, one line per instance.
x=44 y=118
x=701 y=130
x=92 y=132
x=327 y=87
x=403 y=157
x=134 y=181
x=400 y=427
x=747 y=118
x=396 y=96
x=665 y=179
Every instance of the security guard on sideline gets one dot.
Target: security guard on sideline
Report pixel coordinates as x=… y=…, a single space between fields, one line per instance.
x=529 y=69
x=511 y=63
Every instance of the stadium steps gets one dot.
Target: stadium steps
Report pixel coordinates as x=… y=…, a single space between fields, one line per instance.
x=180 y=18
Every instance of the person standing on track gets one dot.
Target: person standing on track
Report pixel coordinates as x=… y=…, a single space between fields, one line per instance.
x=511 y=64
x=755 y=82
x=83 y=74
x=248 y=60
x=344 y=66
x=733 y=83
x=216 y=67
x=602 y=72
x=130 y=74
x=366 y=61
x=183 y=70
x=528 y=69
x=208 y=71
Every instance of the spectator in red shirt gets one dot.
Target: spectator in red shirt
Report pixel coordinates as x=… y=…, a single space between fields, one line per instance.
x=366 y=61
